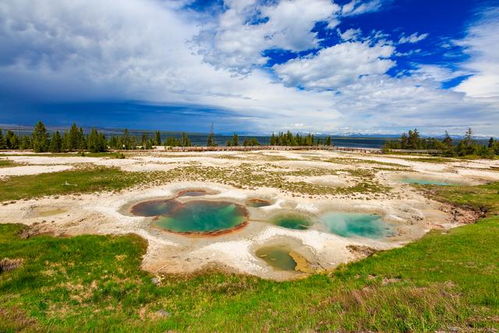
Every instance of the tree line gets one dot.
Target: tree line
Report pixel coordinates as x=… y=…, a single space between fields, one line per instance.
x=75 y=139
x=284 y=139
x=288 y=139
x=467 y=146
x=248 y=142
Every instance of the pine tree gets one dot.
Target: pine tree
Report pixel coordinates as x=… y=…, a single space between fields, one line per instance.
x=157 y=139
x=82 y=140
x=413 y=140
x=491 y=143
x=56 y=143
x=150 y=143
x=66 y=145
x=72 y=142
x=103 y=142
x=466 y=146
x=26 y=142
x=96 y=142
x=251 y=142
x=2 y=140
x=289 y=139
x=495 y=147
x=328 y=141
x=281 y=140
x=40 y=138
x=468 y=137
x=309 y=140
x=210 y=142
x=114 y=142
x=235 y=140
x=173 y=142
x=299 y=140
x=126 y=140
x=11 y=140
x=447 y=140
x=93 y=141
x=273 y=141
x=185 y=141
x=404 y=141
x=143 y=140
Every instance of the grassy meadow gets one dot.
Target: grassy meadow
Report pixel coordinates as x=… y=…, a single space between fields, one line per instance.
x=88 y=179
x=80 y=180
x=4 y=163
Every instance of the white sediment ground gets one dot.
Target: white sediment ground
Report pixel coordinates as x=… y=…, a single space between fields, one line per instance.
x=406 y=209
x=24 y=170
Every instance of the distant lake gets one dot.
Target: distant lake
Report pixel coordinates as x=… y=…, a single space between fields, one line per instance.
x=340 y=141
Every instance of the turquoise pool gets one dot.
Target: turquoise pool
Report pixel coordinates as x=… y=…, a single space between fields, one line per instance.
x=355 y=224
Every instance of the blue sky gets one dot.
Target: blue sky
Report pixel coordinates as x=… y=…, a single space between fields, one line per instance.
x=252 y=66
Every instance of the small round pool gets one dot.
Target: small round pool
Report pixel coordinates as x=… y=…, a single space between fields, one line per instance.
x=278 y=257
x=204 y=217
x=355 y=224
x=296 y=222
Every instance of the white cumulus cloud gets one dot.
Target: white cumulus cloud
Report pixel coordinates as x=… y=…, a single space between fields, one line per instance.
x=358 y=7
x=482 y=45
x=337 y=66
x=412 y=39
x=239 y=35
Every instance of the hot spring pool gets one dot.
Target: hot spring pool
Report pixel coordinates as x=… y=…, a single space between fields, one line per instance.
x=421 y=181
x=278 y=257
x=203 y=217
x=296 y=222
x=355 y=224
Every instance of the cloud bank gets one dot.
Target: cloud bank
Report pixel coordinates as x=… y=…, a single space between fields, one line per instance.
x=163 y=52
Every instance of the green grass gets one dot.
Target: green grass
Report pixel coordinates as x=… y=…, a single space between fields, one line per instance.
x=93 y=283
x=69 y=154
x=93 y=179
x=7 y=163
x=432 y=159
x=422 y=158
x=483 y=198
x=109 y=154
x=249 y=176
x=354 y=161
x=436 y=158
x=97 y=179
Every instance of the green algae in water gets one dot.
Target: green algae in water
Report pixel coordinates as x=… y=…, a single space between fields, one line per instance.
x=278 y=257
x=203 y=217
x=421 y=181
x=155 y=207
x=355 y=224
x=293 y=222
